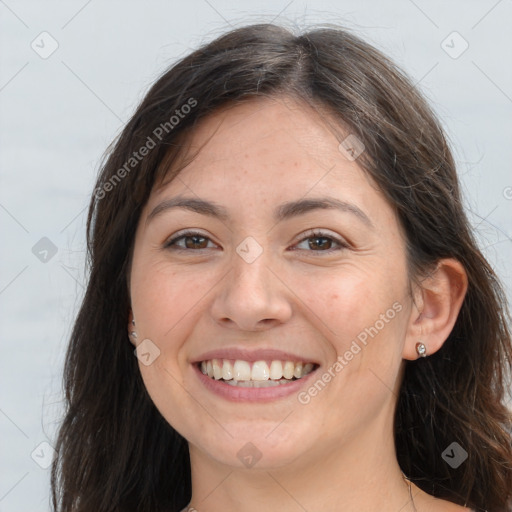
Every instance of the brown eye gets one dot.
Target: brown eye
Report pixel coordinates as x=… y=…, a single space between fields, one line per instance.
x=188 y=240
x=321 y=242
x=195 y=242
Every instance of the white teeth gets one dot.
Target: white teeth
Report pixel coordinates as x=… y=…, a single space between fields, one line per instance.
x=245 y=373
x=227 y=370
x=253 y=383
x=241 y=370
x=288 y=369
x=217 y=370
x=276 y=370
x=260 y=371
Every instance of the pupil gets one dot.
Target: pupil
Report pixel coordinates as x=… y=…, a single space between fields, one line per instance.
x=319 y=244
x=194 y=241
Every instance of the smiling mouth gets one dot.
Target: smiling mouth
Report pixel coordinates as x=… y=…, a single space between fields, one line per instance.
x=257 y=374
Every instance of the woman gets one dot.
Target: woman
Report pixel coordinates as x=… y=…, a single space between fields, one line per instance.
x=278 y=236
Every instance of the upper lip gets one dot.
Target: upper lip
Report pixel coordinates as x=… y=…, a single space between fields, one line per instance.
x=252 y=355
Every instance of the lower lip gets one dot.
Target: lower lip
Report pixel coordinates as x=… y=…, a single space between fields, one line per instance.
x=241 y=394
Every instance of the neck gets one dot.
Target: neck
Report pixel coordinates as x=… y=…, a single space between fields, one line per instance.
x=362 y=475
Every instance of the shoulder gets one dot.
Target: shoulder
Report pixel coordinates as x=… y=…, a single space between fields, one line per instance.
x=439 y=505
x=443 y=506
x=426 y=503
x=452 y=507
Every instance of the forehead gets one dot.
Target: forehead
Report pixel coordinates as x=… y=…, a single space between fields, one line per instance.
x=265 y=127
x=266 y=151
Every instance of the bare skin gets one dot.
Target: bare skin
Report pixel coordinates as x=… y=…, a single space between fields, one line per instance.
x=306 y=294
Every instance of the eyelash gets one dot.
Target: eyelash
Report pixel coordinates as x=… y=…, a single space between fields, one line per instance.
x=310 y=234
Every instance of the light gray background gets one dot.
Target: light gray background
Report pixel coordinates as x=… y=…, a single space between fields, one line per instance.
x=57 y=116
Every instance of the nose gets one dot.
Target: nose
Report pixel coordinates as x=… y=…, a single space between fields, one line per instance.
x=251 y=297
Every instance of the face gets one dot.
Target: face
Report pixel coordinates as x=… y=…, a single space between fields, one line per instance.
x=270 y=293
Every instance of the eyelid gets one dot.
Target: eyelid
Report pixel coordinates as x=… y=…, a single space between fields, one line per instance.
x=322 y=233
x=185 y=233
x=311 y=233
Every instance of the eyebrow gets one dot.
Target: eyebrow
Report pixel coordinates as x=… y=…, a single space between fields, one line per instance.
x=283 y=212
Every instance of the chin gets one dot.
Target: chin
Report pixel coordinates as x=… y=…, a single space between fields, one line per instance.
x=264 y=446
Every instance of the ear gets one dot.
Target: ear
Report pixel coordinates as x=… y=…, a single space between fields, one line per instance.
x=438 y=301
x=132 y=332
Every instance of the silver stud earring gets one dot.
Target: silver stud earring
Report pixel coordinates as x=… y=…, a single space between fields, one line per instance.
x=133 y=334
x=421 y=349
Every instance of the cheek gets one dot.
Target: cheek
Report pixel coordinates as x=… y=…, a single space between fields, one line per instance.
x=361 y=312
x=347 y=302
x=163 y=296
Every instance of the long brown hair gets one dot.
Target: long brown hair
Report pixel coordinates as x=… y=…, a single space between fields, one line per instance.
x=115 y=450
